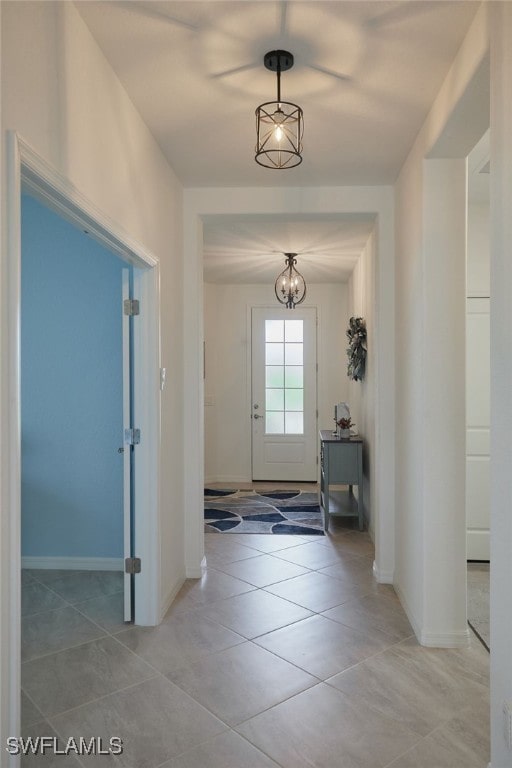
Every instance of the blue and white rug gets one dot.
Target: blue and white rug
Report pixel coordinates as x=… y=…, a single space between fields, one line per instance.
x=229 y=510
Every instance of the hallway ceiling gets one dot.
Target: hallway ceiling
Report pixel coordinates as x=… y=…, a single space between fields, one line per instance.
x=249 y=249
x=366 y=73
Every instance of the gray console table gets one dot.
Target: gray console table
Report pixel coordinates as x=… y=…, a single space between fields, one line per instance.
x=341 y=463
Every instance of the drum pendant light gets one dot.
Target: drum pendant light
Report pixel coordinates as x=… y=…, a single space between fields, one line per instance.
x=279 y=124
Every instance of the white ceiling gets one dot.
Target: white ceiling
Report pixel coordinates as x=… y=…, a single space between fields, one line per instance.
x=249 y=249
x=366 y=73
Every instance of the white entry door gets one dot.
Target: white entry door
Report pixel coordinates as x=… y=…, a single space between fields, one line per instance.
x=284 y=406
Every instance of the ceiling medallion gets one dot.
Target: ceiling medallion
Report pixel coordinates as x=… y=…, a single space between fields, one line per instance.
x=279 y=124
x=290 y=286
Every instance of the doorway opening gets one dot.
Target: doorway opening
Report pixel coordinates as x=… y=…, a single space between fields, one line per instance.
x=47 y=185
x=478 y=385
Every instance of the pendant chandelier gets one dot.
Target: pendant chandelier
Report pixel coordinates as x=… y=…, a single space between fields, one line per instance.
x=279 y=124
x=290 y=286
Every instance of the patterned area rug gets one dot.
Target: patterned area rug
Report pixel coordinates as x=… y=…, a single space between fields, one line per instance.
x=249 y=511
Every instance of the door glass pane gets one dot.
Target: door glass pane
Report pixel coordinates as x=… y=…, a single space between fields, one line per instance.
x=275 y=400
x=294 y=376
x=274 y=354
x=284 y=377
x=274 y=422
x=293 y=354
x=294 y=423
x=274 y=330
x=294 y=330
x=294 y=400
x=274 y=376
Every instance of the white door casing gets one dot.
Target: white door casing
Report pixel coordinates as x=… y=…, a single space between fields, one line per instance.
x=478 y=383
x=284 y=394
x=127 y=485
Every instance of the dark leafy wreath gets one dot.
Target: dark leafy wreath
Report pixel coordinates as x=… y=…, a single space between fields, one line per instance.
x=356 y=335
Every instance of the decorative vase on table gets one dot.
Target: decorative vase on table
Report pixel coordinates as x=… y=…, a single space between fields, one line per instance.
x=343 y=426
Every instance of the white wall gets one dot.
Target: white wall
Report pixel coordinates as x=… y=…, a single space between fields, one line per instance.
x=62 y=97
x=361 y=395
x=430 y=341
x=60 y=94
x=227 y=385
x=501 y=367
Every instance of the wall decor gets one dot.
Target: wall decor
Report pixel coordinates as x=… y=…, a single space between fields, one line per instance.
x=356 y=335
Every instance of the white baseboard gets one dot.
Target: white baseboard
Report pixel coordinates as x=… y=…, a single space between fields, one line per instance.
x=168 y=600
x=412 y=619
x=457 y=639
x=73 y=563
x=196 y=573
x=383 y=577
x=230 y=480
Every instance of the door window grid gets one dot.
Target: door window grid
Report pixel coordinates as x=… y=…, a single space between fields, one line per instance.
x=284 y=377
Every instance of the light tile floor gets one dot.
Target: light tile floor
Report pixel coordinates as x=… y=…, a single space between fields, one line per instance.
x=286 y=653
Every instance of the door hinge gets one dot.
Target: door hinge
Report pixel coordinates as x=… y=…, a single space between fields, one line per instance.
x=132 y=565
x=131 y=307
x=132 y=436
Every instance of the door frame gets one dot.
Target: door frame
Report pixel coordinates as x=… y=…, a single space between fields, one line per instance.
x=209 y=204
x=25 y=167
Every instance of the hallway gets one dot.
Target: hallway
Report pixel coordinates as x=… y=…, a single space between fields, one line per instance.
x=286 y=653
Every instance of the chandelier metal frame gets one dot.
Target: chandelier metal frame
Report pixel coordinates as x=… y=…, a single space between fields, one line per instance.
x=279 y=124
x=290 y=286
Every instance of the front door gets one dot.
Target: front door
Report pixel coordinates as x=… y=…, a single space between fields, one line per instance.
x=284 y=407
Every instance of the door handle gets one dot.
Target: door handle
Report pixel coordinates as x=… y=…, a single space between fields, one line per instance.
x=257 y=416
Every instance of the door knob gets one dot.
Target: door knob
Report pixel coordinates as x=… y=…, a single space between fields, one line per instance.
x=257 y=416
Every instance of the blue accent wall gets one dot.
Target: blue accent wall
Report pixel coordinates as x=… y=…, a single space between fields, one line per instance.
x=71 y=390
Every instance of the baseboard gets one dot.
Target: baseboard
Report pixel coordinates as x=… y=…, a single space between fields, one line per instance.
x=412 y=619
x=73 y=563
x=169 y=599
x=228 y=479
x=383 y=577
x=458 y=639
x=196 y=573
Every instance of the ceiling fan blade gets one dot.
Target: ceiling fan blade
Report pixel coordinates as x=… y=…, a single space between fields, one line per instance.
x=234 y=71
x=331 y=73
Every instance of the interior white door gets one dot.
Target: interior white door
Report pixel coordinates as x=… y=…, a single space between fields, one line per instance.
x=127 y=451
x=284 y=399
